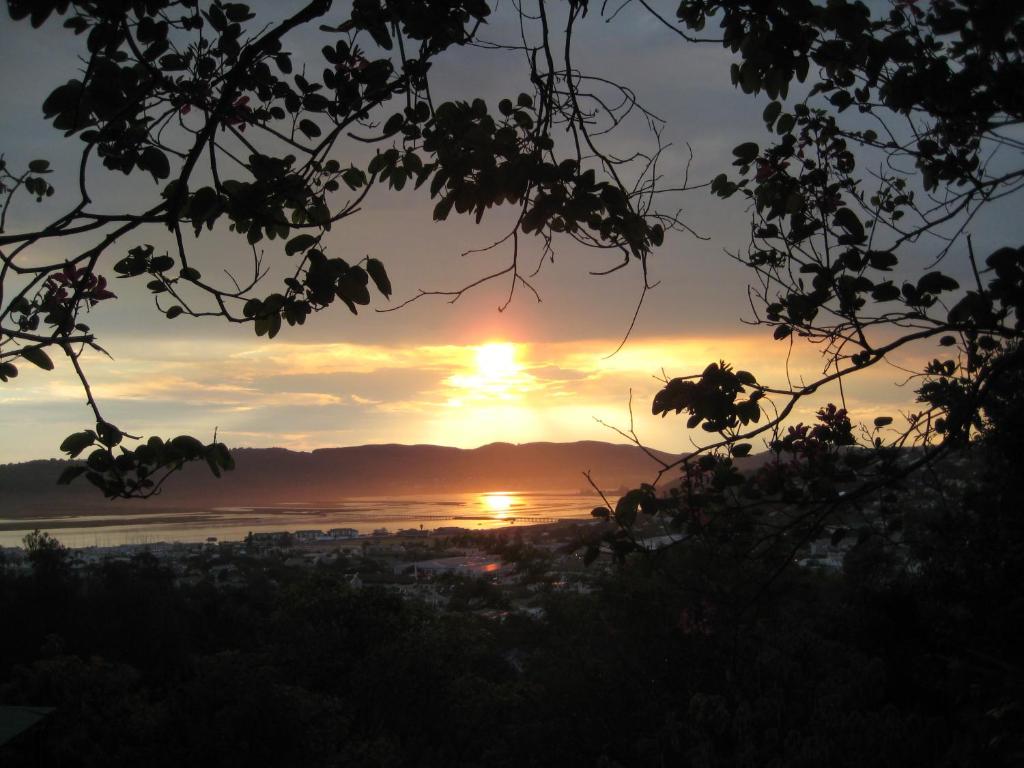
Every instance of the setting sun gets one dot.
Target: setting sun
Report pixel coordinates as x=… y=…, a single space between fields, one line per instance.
x=492 y=373
x=496 y=361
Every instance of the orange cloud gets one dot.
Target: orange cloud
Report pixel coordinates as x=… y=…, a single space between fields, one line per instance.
x=313 y=395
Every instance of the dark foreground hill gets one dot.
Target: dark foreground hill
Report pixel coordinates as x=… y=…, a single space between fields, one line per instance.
x=271 y=475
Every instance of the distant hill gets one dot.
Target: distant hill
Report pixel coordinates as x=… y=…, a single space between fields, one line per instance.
x=276 y=475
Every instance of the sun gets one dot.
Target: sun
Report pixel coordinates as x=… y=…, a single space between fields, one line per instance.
x=496 y=361
x=491 y=375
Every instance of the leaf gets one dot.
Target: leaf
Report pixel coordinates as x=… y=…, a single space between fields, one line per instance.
x=883 y=421
x=251 y=308
x=223 y=456
x=848 y=220
x=354 y=178
x=600 y=512
x=741 y=449
x=39 y=166
x=275 y=326
x=188 y=445
x=746 y=377
x=627 y=507
x=8 y=371
x=62 y=99
x=380 y=35
x=885 y=292
x=394 y=124
x=161 y=264
x=936 y=282
x=155 y=161
x=746 y=152
x=882 y=260
x=38 y=357
x=299 y=243
x=309 y=128
x=108 y=434
x=173 y=312
x=443 y=207
x=77 y=442
x=379 y=276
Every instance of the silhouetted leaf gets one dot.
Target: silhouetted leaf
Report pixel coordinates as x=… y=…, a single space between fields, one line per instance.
x=77 y=442
x=38 y=357
x=299 y=243
x=155 y=161
x=379 y=276
x=309 y=128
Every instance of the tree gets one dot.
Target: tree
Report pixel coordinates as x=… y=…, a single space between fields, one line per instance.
x=49 y=558
x=202 y=97
x=927 y=97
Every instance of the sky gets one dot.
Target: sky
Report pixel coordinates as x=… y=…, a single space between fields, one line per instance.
x=460 y=374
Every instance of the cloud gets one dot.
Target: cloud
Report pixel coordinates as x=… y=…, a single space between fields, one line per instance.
x=413 y=376
x=314 y=395
x=364 y=400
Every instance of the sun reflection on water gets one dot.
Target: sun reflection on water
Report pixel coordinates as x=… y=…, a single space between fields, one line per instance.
x=500 y=503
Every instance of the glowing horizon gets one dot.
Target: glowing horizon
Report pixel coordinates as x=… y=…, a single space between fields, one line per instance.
x=304 y=396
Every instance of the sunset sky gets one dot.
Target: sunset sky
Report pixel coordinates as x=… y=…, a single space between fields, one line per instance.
x=462 y=374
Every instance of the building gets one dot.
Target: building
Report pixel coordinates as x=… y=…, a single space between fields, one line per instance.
x=343 y=533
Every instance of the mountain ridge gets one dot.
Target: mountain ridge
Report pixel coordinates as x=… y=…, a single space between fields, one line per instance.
x=276 y=475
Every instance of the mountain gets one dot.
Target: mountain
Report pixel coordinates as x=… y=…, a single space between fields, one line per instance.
x=276 y=475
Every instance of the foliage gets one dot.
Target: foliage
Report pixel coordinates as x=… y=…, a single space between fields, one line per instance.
x=148 y=667
x=46 y=554
x=190 y=94
x=712 y=650
x=202 y=97
x=924 y=95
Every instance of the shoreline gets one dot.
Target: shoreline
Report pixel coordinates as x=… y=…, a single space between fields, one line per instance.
x=395 y=537
x=363 y=517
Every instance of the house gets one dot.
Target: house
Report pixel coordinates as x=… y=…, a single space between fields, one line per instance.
x=343 y=533
x=309 y=535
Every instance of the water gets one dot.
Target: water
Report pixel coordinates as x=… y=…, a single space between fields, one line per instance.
x=473 y=511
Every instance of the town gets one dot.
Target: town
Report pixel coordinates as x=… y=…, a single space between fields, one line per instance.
x=506 y=570
x=500 y=569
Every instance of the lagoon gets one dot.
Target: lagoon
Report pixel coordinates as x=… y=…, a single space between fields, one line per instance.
x=472 y=511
